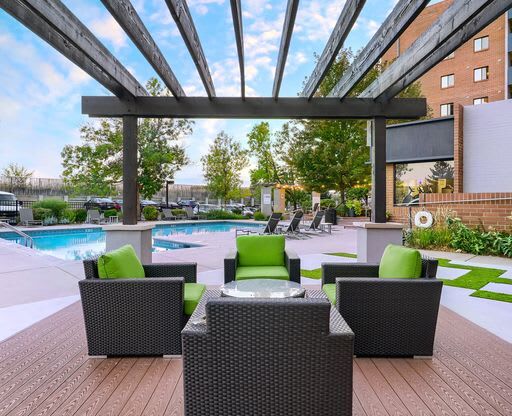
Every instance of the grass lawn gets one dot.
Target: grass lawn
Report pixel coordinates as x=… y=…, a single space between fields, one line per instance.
x=476 y=278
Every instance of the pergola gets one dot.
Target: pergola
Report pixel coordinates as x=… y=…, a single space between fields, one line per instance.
x=57 y=25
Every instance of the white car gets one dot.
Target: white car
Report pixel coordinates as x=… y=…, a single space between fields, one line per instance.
x=8 y=205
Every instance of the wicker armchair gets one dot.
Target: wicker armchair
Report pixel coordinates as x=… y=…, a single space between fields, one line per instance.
x=135 y=316
x=291 y=261
x=390 y=317
x=238 y=364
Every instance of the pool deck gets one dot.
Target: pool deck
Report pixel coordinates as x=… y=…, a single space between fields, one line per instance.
x=35 y=285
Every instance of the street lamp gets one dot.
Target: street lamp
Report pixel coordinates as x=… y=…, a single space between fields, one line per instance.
x=167 y=182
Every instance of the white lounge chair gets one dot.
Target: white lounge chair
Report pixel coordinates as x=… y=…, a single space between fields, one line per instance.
x=27 y=217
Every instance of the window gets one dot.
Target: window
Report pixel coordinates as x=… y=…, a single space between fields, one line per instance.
x=481 y=100
x=481 y=74
x=413 y=179
x=446 y=109
x=481 y=44
x=451 y=56
x=447 y=81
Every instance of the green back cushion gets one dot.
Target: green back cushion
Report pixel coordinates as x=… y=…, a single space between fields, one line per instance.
x=260 y=250
x=192 y=296
x=400 y=262
x=330 y=291
x=122 y=263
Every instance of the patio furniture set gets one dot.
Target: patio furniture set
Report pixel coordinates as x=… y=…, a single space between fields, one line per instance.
x=262 y=344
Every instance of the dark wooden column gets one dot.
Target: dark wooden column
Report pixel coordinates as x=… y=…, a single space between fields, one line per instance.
x=378 y=155
x=129 y=170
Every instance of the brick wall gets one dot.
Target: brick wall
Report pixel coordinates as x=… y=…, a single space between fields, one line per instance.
x=462 y=65
x=489 y=210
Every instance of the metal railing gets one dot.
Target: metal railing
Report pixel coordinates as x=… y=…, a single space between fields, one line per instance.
x=29 y=241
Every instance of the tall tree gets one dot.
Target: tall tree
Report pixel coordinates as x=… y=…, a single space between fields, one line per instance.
x=333 y=154
x=18 y=175
x=223 y=165
x=95 y=166
x=261 y=146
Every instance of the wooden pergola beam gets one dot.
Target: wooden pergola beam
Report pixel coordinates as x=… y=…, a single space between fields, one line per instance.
x=127 y=17
x=344 y=25
x=36 y=24
x=181 y=15
x=236 y=11
x=254 y=108
x=289 y=22
x=402 y=15
x=462 y=20
x=55 y=23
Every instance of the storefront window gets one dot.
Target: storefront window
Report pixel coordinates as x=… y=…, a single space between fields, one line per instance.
x=413 y=179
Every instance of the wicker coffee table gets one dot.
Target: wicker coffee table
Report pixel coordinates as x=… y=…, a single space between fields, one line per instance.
x=262 y=288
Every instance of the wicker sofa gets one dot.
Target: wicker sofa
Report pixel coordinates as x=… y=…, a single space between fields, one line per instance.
x=390 y=317
x=237 y=364
x=135 y=316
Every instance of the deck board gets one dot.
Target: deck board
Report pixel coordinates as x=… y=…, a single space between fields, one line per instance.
x=45 y=370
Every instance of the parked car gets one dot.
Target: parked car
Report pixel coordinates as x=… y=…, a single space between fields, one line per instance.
x=149 y=203
x=9 y=206
x=172 y=205
x=188 y=203
x=101 y=204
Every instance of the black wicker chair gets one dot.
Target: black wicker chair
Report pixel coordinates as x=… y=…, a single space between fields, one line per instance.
x=390 y=317
x=267 y=357
x=135 y=316
x=291 y=262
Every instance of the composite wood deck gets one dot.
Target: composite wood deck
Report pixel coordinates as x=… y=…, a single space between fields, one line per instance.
x=45 y=370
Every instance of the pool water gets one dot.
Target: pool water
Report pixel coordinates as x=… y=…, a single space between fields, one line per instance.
x=86 y=243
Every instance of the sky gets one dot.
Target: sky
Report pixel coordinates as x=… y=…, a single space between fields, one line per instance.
x=41 y=91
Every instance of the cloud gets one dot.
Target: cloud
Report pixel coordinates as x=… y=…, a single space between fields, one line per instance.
x=106 y=28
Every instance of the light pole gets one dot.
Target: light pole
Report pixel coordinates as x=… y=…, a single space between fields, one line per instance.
x=167 y=182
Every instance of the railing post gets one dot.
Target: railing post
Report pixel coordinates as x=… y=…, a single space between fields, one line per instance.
x=130 y=170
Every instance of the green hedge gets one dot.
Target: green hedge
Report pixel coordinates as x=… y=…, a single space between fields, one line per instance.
x=41 y=214
x=80 y=215
x=219 y=214
x=112 y=213
x=57 y=206
x=150 y=213
x=178 y=212
x=259 y=216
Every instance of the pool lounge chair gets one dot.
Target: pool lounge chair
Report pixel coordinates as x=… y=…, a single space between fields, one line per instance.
x=168 y=215
x=190 y=213
x=315 y=223
x=270 y=227
x=294 y=226
x=93 y=216
x=27 y=217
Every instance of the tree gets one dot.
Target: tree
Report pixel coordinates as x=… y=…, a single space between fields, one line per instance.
x=95 y=166
x=17 y=174
x=440 y=170
x=223 y=165
x=261 y=146
x=333 y=154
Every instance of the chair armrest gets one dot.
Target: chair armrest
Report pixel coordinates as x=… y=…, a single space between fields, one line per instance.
x=330 y=271
x=292 y=263
x=186 y=270
x=230 y=264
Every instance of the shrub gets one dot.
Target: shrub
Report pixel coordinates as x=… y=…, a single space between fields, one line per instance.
x=219 y=214
x=150 y=213
x=57 y=206
x=178 y=212
x=80 y=215
x=429 y=238
x=356 y=205
x=68 y=216
x=112 y=213
x=358 y=193
x=41 y=214
x=259 y=216
x=341 y=210
x=327 y=203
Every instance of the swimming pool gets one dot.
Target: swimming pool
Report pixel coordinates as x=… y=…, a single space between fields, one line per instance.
x=85 y=243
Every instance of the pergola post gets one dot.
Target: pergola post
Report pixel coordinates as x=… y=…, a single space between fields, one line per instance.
x=378 y=158
x=129 y=170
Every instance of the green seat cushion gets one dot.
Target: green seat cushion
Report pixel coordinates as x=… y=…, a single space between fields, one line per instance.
x=260 y=250
x=262 y=272
x=122 y=263
x=400 y=262
x=193 y=294
x=330 y=291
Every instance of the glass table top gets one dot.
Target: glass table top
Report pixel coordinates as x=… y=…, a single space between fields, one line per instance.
x=262 y=288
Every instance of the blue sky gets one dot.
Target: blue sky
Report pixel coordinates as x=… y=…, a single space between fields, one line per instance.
x=41 y=90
